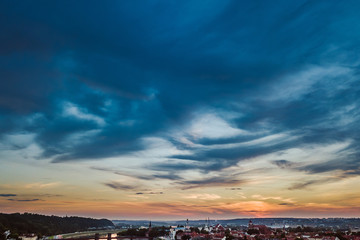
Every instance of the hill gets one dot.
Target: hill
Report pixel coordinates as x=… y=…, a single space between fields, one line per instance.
x=48 y=225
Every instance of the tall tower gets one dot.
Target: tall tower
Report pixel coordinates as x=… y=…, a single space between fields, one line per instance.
x=148 y=232
x=251 y=225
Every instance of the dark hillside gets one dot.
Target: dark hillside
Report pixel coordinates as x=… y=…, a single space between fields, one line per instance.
x=48 y=225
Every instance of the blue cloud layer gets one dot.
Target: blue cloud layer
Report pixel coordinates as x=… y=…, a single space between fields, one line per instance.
x=91 y=80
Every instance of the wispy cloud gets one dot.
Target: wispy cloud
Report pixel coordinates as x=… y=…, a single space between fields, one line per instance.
x=42 y=185
x=168 y=176
x=307 y=183
x=203 y=196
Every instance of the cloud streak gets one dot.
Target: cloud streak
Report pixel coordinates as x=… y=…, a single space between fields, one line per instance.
x=120 y=186
x=24 y=200
x=8 y=195
x=218 y=181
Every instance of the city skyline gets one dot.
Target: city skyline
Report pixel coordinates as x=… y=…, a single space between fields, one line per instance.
x=169 y=110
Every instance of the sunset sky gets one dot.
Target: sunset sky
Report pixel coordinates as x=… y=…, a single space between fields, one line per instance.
x=180 y=109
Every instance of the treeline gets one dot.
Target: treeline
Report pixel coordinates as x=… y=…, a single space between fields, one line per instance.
x=47 y=225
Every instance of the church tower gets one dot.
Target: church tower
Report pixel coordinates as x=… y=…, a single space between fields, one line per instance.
x=251 y=225
x=148 y=232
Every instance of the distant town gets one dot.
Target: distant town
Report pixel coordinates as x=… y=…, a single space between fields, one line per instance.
x=248 y=229
x=33 y=226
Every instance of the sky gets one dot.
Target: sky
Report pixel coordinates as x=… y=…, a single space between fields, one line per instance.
x=180 y=109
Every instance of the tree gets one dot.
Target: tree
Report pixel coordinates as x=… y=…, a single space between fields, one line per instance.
x=185 y=237
x=14 y=236
x=253 y=231
x=2 y=236
x=2 y=230
x=195 y=229
x=228 y=235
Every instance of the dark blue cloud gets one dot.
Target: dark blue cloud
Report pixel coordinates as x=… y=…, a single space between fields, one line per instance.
x=132 y=69
x=282 y=163
x=218 y=181
x=150 y=193
x=120 y=186
x=24 y=200
x=7 y=195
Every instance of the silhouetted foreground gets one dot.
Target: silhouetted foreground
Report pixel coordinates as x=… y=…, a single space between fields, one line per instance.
x=48 y=225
